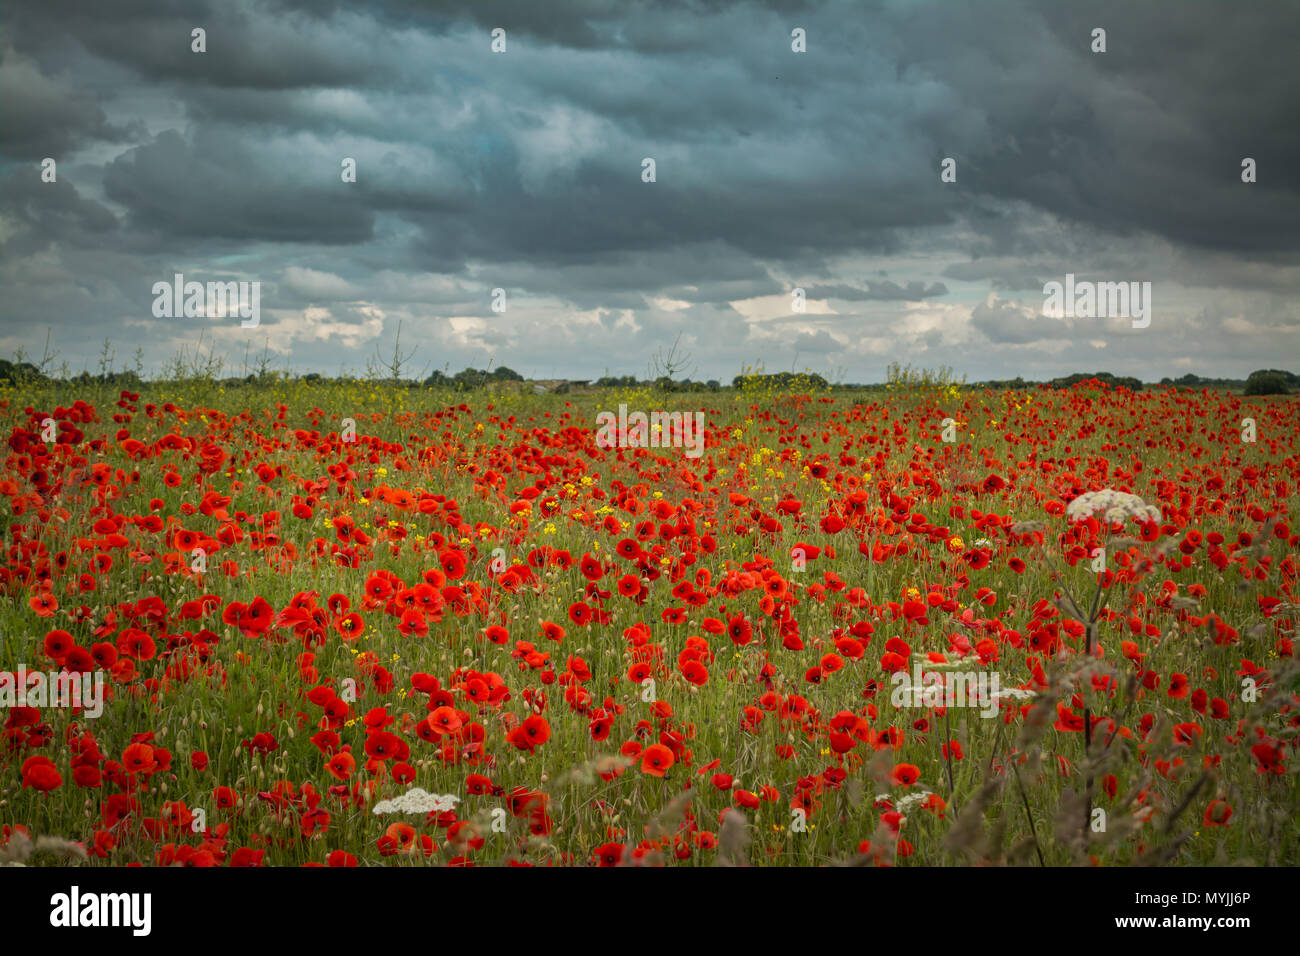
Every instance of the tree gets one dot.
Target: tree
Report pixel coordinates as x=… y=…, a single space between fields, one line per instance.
x=1267 y=382
x=666 y=366
x=394 y=365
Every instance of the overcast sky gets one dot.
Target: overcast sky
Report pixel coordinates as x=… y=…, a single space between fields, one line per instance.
x=775 y=170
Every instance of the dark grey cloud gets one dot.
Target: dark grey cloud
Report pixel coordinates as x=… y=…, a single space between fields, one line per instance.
x=774 y=170
x=1001 y=275
x=44 y=116
x=245 y=47
x=1002 y=322
x=212 y=188
x=51 y=213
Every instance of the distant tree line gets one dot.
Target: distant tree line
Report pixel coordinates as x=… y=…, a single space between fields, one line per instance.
x=1261 y=382
x=1265 y=381
x=472 y=378
x=21 y=373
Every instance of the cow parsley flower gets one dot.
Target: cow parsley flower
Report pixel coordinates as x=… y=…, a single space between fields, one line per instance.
x=416 y=800
x=1115 y=507
x=1014 y=693
x=905 y=804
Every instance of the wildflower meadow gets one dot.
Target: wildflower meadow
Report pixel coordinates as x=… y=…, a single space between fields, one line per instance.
x=347 y=624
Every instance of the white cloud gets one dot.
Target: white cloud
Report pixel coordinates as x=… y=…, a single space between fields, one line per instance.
x=766 y=307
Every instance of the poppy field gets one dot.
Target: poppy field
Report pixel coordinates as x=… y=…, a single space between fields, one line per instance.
x=347 y=624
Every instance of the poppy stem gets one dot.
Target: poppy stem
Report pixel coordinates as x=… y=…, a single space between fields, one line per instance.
x=1087 y=756
x=1024 y=800
x=1099 y=600
x=947 y=733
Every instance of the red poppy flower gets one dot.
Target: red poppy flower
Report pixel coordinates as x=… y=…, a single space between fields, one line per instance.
x=656 y=760
x=905 y=774
x=1217 y=814
x=608 y=854
x=740 y=630
x=39 y=773
x=341 y=766
x=57 y=644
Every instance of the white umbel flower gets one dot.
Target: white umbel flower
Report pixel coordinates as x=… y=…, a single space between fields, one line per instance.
x=905 y=804
x=416 y=800
x=1115 y=507
x=1014 y=693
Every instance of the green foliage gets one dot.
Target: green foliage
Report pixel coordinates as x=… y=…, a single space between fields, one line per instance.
x=1199 y=381
x=930 y=384
x=1268 y=382
x=1016 y=384
x=20 y=373
x=617 y=381
x=780 y=381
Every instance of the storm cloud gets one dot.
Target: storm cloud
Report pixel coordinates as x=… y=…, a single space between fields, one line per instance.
x=774 y=170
